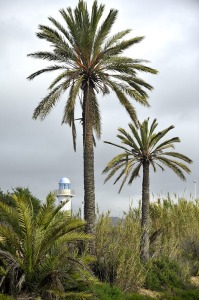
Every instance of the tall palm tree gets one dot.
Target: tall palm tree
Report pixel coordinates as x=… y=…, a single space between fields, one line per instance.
x=90 y=62
x=143 y=147
x=37 y=251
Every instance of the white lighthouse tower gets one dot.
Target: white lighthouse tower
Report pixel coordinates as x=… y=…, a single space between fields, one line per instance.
x=65 y=194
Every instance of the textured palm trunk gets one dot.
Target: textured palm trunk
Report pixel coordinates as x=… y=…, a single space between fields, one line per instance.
x=144 y=247
x=88 y=153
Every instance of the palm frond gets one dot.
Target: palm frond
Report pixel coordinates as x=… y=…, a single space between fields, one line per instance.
x=103 y=31
x=116 y=145
x=96 y=15
x=136 y=135
x=48 y=69
x=124 y=172
x=124 y=101
x=144 y=134
x=69 y=110
x=96 y=116
x=51 y=35
x=46 y=55
x=135 y=173
x=174 y=166
x=115 y=38
x=46 y=105
x=123 y=45
x=179 y=155
x=66 y=74
x=144 y=68
x=160 y=135
x=62 y=30
x=164 y=145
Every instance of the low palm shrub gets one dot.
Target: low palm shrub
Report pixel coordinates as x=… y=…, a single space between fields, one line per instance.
x=38 y=253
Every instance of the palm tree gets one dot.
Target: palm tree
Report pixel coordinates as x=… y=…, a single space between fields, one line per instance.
x=144 y=148
x=90 y=62
x=37 y=251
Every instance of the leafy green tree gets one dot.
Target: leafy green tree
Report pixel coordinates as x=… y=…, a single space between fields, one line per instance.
x=38 y=255
x=90 y=61
x=143 y=147
x=20 y=191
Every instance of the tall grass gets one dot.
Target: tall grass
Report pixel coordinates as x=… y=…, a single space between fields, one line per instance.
x=179 y=227
x=174 y=235
x=117 y=251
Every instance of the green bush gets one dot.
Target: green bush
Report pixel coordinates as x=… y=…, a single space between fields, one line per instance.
x=4 y=297
x=105 y=292
x=182 y=295
x=164 y=274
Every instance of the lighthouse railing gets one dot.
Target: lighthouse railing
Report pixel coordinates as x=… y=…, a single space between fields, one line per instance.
x=64 y=192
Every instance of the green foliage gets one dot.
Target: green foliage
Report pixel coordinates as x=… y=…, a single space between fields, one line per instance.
x=117 y=251
x=106 y=292
x=177 y=294
x=143 y=148
x=38 y=253
x=89 y=58
x=142 y=145
x=5 y=297
x=19 y=191
x=163 y=274
x=179 y=232
x=172 y=227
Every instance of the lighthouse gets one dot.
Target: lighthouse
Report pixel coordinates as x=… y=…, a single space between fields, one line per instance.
x=65 y=194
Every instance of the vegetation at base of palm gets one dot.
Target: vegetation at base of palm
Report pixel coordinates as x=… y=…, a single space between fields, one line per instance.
x=178 y=225
x=91 y=62
x=142 y=148
x=117 y=251
x=164 y=274
x=178 y=294
x=38 y=252
x=174 y=232
x=174 y=250
x=105 y=292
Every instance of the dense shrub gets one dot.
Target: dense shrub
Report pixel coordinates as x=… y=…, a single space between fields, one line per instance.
x=182 y=295
x=105 y=292
x=164 y=274
x=4 y=297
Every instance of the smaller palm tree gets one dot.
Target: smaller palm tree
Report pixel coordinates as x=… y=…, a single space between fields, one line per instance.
x=37 y=251
x=144 y=148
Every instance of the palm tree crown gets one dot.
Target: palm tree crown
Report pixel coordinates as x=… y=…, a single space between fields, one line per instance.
x=143 y=145
x=88 y=57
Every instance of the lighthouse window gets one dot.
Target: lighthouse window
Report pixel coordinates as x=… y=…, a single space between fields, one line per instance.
x=64 y=186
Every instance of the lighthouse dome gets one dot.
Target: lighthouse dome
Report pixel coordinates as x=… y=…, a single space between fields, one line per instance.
x=64 y=180
x=64 y=184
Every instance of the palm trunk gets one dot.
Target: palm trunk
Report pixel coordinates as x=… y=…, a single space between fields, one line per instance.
x=88 y=153
x=144 y=248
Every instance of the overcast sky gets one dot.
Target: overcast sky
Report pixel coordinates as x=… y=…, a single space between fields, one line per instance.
x=37 y=154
